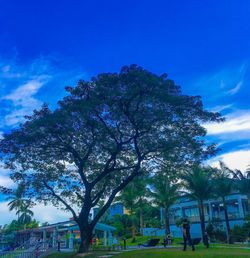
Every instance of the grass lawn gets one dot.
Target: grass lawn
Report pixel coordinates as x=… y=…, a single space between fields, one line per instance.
x=143 y=239
x=201 y=252
x=70 y=255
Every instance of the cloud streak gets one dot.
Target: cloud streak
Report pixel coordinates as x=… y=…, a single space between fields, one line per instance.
x=236 y=122
x=23 y=100
x=20 y=86
x=236 y=88
x=234 y=160
x=220 y=86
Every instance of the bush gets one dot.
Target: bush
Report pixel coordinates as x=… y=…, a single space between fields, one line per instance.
x=179 y=222
x=215 y=232
x=238 y=233
x=241 y=233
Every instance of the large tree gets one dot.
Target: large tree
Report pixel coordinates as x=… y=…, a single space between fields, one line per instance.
x=105 y=132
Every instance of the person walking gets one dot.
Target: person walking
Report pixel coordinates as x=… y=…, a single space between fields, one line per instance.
x=186 y=235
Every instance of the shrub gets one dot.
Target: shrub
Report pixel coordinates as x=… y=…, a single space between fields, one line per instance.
x=215 y=232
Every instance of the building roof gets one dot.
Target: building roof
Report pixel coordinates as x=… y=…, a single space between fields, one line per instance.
x=67 y=225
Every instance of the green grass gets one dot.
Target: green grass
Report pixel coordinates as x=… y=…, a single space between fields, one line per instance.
x=139 y=240
x=143 y=239
x=70 y=255
x=61 y=255
x=201 y=252
x=178 y=253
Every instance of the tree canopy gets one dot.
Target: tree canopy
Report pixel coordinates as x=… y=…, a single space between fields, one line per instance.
x=104 y=133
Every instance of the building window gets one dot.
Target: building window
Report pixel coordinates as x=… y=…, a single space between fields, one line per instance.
x=232 y=209
x=175 y=214
x=192 y=213
x=245 y=207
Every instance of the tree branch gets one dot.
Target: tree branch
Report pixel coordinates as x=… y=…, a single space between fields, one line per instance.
x=107 y=128
x=115 y=191
x=61 y=200
x=98 y=196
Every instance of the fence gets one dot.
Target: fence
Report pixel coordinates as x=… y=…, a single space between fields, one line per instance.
x=38 y=253
x=18 y=254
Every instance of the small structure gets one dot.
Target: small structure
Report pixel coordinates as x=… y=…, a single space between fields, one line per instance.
x=66 y=233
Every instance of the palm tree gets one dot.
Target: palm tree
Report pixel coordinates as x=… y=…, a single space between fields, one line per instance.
x=25 y=215
x=133 y=198
x=223 y=186
x=165 y=192
x=141 y=197
x=242 y=181
x=21 y=205
x=128 y=199
x=16 y=199
x=199 y=187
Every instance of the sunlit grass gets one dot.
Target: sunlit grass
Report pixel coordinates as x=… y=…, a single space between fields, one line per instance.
x=201 y=252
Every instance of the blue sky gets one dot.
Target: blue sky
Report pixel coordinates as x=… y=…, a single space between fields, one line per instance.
x=203 y=45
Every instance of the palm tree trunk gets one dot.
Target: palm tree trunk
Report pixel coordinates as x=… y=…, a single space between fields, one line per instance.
x=227 y=220
x=167 y=226
x=133 y=227
x=141 y=219
x=202 y=222
x=248 y=200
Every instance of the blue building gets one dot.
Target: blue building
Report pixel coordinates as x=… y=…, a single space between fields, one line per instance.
x=237 y=205
x=114 y=209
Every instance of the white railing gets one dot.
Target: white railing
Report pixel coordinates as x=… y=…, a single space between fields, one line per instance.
x=17 y=254
x=38 y=251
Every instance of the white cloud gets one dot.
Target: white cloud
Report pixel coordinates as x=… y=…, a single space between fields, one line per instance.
x=235 y=89
x=221 y=83
x=23 y=100
x=42 y=213
x=6 y=181
x=221 y=108
x=234 y=160
x=16 y=116
x=238 y=121
x=20 y=84
x=27 y=90
x=50 y=214
x=6 y=215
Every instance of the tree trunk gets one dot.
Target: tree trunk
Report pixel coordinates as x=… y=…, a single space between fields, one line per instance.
x=227 y=221
x=202 y=222
x=86 y=236
x=133 y=226
x=167 y=226
x=248 y=201
x=141 y=220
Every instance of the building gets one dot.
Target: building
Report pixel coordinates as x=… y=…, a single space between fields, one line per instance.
x=66 y=232
x=114 y=209
x=237 y=205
